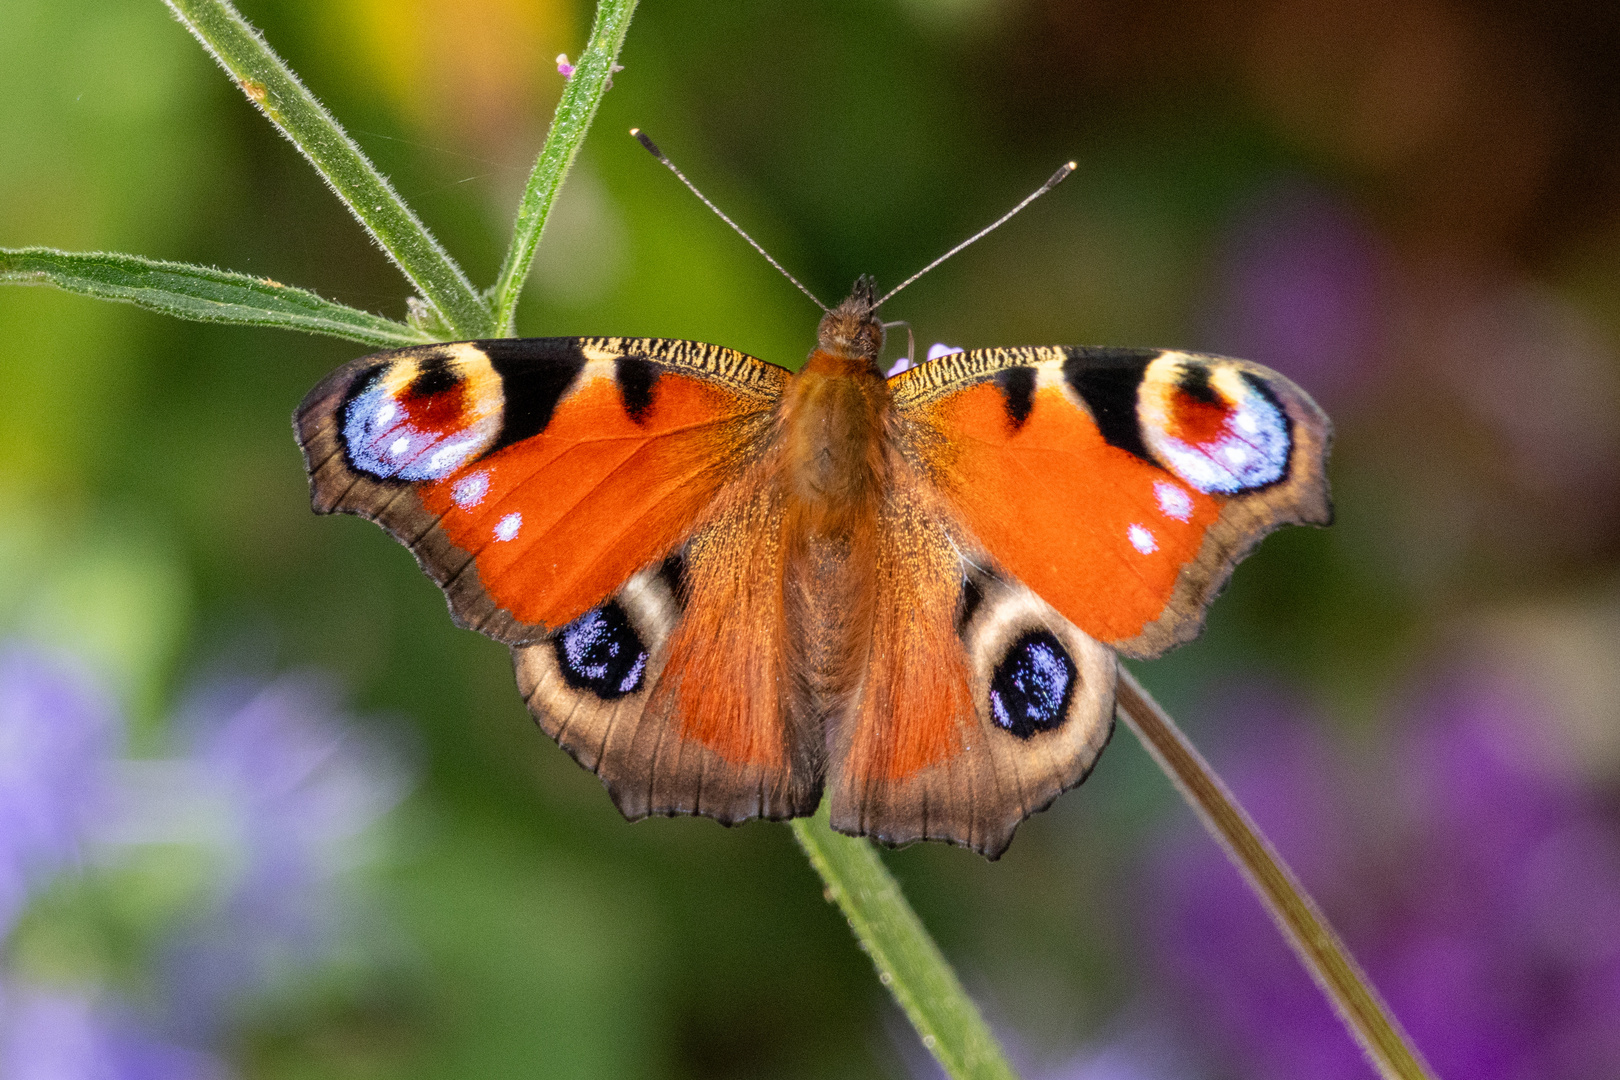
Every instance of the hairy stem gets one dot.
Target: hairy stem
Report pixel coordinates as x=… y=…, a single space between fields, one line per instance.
x=907 y=960
x=276 y=91
x=572 y=120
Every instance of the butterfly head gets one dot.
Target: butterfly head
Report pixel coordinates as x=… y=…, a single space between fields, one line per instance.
x=852 y=328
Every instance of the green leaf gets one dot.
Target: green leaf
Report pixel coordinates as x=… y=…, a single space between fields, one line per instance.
x=201 y=294
x=569 y=123
x=276 y=91
x=907 y=960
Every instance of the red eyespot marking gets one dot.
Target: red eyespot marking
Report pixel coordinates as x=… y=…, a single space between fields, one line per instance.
x=442 y=412
x=1213 y=425
x=1197 y=422
x=421 y=418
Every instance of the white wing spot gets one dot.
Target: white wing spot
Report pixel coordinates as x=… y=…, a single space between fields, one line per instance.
x=1237 y=455
x=470 y=490
x=385 y=412
x=1173 y=501
x=449 y=455
x=398 y=447
x=1142 y=540
x=508 y=526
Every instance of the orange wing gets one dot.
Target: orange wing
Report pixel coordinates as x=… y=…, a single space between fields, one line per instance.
x=1046 y=505
x=978 y=704
x=587 y=501
x=1122 y=486
x=532 y=477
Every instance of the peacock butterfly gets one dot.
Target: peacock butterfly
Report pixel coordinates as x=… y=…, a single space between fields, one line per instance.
x=728 y=587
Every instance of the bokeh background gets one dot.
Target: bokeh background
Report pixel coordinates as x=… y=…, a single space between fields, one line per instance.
x=265 y=813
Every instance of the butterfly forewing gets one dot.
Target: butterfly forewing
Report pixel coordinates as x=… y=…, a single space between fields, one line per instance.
x=533 y=477
x=1122 y=486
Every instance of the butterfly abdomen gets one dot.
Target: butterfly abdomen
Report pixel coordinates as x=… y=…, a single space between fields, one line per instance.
x=834 y=477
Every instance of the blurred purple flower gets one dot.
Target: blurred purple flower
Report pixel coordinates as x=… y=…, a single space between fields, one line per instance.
x=56 y=737
x=276 y=783
x=303 y=782
x=1138 y=1047
x=1144 y=1052
x=68 y=1037
x=1298 y=282
x=1479 y=886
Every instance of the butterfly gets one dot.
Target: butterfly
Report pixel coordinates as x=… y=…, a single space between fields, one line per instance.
x=729 y=588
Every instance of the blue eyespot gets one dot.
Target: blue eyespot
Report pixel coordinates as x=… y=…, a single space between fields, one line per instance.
x=1032 y=686
x=601 y=652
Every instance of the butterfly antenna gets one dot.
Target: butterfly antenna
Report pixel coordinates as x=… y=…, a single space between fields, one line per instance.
x=652 y=149
x=1057 y=178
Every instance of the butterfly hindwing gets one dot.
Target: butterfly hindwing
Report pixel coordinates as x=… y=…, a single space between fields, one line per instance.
x=673 y=691
x=1120 y=485
x=979 y=703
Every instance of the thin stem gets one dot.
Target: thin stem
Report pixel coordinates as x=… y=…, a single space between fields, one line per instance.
x=572 y=120
x=908 y=961
x=1295 y=913
x=275 y=90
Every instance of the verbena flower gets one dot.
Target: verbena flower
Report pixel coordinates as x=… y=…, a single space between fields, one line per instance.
x=60 y=1036
x=303 y=783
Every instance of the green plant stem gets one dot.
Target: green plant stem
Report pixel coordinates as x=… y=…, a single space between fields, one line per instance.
x=201 y=294
x=569 y=123
x=907 y=960
x=276 y=91
x=1295 y=913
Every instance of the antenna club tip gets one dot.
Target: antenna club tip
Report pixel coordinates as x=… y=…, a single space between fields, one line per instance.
x=1070 y=166
x=641 y=137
